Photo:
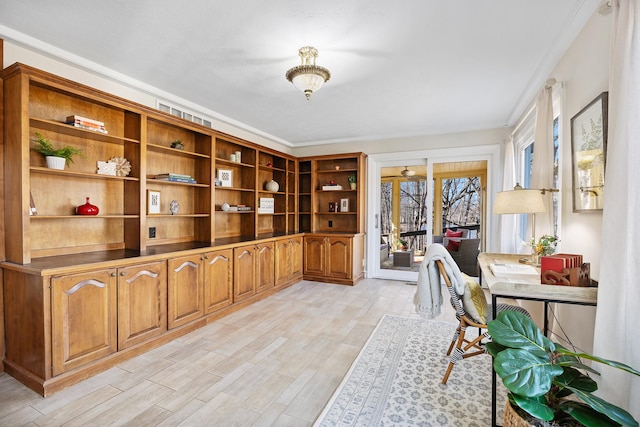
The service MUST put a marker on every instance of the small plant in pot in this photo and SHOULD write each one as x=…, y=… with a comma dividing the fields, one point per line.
x=546, y=380
x=46, y=148
x=352, y=181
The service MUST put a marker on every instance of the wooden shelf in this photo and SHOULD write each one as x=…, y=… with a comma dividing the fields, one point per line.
x=250, y=190
x=99, y=216
x=337, y=213
x=186, y=184
x=230, y=163
x=176, y=152
x=70, y=173
x=63, y=128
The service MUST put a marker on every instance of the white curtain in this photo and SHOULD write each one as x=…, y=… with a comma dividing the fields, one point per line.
x=618, y=317
x=508, y=235
x=542, y=174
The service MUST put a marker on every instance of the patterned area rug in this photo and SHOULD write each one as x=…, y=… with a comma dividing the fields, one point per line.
x=395, y=381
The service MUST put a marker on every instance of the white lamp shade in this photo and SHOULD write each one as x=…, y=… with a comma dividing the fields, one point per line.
x=308, y=82
x=519, y=202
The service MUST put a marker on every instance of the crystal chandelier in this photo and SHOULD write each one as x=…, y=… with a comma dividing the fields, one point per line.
x=308, y=77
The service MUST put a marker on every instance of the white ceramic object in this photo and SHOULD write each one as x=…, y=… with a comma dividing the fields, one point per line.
x=272, y=186
x=225, y=207
x=54, y=162
x=174, y=207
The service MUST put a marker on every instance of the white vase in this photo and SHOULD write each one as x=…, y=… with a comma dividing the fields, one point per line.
x=54, y=162
x=272, y=186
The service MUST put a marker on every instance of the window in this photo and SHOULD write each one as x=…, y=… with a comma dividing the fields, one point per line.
x=523, y=139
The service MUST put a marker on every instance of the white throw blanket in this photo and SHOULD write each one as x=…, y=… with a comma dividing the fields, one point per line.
x=428, y=297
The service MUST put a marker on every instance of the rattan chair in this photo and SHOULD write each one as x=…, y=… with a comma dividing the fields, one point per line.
x=461, y=346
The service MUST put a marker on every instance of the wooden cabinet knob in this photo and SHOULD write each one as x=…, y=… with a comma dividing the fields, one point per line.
x=122, y=273
x=113, y=274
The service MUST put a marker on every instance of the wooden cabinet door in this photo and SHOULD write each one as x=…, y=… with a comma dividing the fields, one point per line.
x=185, y=290
x=244, y=266
x=339, y=257
x=83, y=318
x=314, y=256
x=295, y=257
x=218, y=280
x=282, y=261
x=264, y=267
x=142, y=303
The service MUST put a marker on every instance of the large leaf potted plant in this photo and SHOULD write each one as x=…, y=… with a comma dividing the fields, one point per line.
x=546, y=380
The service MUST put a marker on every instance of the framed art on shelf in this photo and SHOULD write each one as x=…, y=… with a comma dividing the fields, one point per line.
x=344, y=205
x=153, y=202
x=225, y=177
x=589, y=152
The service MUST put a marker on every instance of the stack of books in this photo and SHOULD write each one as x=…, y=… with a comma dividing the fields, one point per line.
x=85, y=123
x=265, y=205
x=239, y=208
x=175, y=177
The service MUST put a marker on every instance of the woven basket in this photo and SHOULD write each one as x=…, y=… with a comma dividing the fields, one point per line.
x=512, y=419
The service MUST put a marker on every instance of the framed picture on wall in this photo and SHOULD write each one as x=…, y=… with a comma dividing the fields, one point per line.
x=589, y=151
x=153, y=202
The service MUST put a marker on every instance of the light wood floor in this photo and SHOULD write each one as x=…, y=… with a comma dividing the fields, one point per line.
x=274, y=363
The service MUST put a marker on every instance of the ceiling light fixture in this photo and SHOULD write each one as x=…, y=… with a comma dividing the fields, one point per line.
x=407, y=173
x=308, y=77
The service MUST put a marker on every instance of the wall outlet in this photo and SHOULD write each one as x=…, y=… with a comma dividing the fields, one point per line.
x=330, y=223
x=152, y=232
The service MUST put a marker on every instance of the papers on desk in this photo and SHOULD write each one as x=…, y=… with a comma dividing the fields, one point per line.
x=513, y=270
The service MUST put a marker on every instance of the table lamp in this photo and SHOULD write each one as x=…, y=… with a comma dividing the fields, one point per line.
x=520, y=201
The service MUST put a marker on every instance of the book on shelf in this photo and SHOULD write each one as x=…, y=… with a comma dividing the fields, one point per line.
x=88, y=127
x=177, y=179
x=85, y=123
x=265, y=210
x=239, y=208
x=74, y=118
x=513, y=270
x=174, y=175
x=330, y=187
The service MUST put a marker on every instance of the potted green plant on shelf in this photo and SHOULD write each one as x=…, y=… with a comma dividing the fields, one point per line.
x=352, y=181
x=56, y=157
x=546, y=380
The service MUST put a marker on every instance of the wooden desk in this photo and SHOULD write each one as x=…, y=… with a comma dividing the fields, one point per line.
x=526, y=288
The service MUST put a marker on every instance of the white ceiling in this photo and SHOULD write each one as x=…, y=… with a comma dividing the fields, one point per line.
x=399, y=68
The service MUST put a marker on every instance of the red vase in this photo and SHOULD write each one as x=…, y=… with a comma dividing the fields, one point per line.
x=87, y=209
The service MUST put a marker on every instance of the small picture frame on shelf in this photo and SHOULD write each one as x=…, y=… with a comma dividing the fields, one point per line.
x=344, y=205
x=225, y=176
x=153, y=202
x=32, y=206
